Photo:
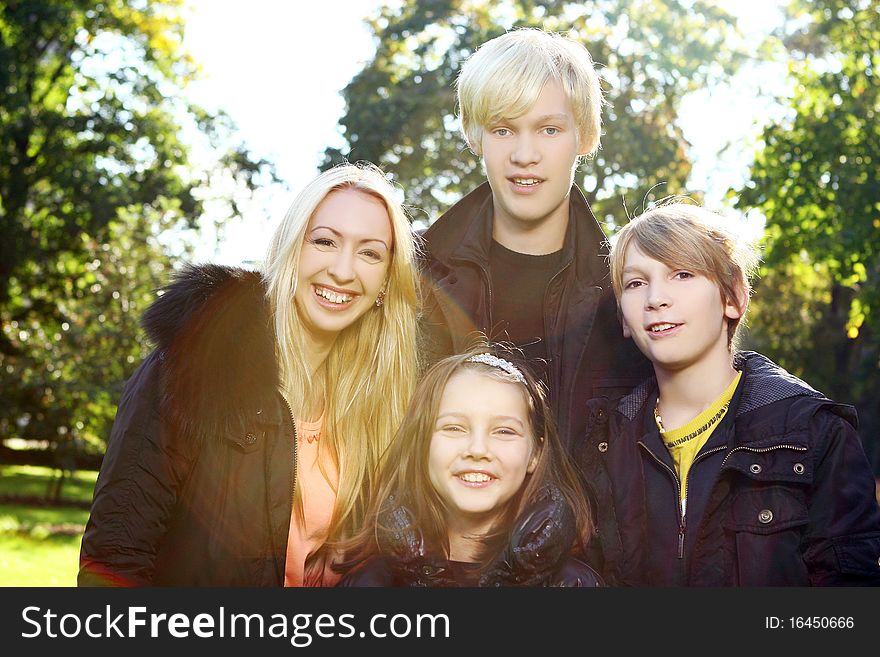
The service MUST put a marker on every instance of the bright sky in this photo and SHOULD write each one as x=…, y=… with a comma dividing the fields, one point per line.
x=277, y=68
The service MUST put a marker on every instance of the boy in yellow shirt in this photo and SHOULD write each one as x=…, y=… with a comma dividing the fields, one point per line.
x=722, y=469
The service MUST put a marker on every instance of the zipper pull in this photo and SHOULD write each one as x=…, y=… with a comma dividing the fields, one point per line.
x=681, y=541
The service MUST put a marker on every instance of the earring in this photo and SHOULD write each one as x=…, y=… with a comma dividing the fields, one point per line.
x=380, y=299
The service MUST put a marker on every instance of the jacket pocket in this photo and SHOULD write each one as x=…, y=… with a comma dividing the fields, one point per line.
x=230, y=502
x=766, y=525
x=772, y=463
x=859, y=556
x=767, y=510
x=246, y=440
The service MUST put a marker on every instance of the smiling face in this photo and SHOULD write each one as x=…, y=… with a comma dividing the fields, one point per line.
x=676, y=316
x=344, y=263
x=530, y=160
x=481, y=449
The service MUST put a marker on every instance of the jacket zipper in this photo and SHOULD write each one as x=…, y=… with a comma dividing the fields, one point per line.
x=295, y=450
x=544, y=298
x=761, y=450
x=554, y=369
x=686, y=486
x=489, y=313
x=293, y=424
x=681, y=520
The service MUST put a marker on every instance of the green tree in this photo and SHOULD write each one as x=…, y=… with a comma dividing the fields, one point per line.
x=815, y=179
x=95, y=143
x=401, y=106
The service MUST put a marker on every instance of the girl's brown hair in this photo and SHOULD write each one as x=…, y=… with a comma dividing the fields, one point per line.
x=404, y=468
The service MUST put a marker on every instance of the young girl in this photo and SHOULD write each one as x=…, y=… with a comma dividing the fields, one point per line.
x=475, y=489
x=245, y=443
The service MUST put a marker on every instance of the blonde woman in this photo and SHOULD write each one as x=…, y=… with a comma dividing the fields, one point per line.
x=244, y=444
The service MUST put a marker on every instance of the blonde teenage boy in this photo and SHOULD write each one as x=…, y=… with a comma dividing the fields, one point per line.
x=722, y=469
x=521, y=258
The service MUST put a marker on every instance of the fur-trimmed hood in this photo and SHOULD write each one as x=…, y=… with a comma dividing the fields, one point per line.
x=213, y=328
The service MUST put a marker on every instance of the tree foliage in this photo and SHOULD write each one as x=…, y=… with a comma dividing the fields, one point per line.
x=94, y=165
x=75, y=337
x=401, y=106
x=815, y=180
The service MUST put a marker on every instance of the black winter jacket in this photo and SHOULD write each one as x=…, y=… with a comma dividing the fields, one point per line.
x=196, y=486
x=588, y=356
x=538, y=553
x=781, y=495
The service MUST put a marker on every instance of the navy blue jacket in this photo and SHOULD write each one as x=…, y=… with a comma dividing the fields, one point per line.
x=781, y=495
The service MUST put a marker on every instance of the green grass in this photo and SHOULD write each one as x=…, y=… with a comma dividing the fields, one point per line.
x=39, y=545
x=33, y=481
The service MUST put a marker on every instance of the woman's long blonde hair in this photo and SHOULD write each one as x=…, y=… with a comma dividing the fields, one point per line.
x=371, y=369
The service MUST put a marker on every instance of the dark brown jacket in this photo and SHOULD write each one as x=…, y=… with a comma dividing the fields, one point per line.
x=196, y=486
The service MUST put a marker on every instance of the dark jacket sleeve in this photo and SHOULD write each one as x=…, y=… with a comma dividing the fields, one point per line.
x=843, y=540
x=575, y=573
x=373, y=572
x=540, y=543
x=136, y=490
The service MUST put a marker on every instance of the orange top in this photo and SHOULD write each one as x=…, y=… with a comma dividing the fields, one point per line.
x=318, y=493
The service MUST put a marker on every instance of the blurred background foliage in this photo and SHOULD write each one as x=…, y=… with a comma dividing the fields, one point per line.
x=97, y=140
x=815, y=179
x=98, y=171
x=401, y=107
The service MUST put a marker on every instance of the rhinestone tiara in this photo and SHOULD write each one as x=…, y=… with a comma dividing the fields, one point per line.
x=500, y=363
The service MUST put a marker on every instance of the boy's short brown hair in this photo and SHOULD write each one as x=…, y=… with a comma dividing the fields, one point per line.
x=683, y=235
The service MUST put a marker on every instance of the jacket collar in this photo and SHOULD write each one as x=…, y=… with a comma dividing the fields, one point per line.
x=464, y=233
x=540, y=542
x=764, y=383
